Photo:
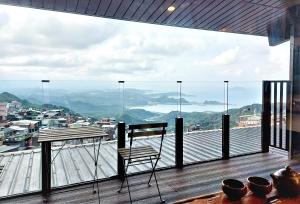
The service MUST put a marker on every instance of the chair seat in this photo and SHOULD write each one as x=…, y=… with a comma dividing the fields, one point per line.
x=137, y=152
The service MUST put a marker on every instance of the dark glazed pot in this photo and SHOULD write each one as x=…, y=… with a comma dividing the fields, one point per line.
x=234, y=189
x=259, y=186
x=287, y=182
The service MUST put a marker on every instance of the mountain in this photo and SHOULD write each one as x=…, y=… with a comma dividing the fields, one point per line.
x=209, y=120
x=103, y=103
x=6, y=97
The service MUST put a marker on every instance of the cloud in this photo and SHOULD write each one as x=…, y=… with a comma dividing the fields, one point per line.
x=225, y=58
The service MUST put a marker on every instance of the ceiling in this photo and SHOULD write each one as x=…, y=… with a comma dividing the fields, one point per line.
x=236, y=16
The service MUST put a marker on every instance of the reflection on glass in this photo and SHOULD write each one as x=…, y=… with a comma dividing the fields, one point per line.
x=245, y=120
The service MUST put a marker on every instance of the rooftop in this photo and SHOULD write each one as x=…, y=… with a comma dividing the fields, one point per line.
x=74, y=164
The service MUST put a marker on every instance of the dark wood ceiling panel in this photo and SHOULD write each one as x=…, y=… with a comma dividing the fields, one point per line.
x=48, y=4
x=237, y=16
x=273, y=3
x=125, y=5
x=232, y=15
x=93, y=7
x=13, y=2
x=71, y=5
x=151, y=9
x=22, y=2
x=247, y=9
x=201, y=11
x=131, y=11
x=244, y=17
x=114, y=6
x=216, y=12
x=82, y=6
x=191, y=11
x=141, y=9
x=167, y=17
x=161, y=10
x=104, y=4
x=251, y=20
x=61, y=5
x=263, y=22
x=38, y=4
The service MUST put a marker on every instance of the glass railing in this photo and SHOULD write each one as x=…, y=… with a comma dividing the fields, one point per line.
x=20, y=158
x=90, y=104
x=202, y=107
x=245, y=117
x=151, y=102
x=57, y=105
x=28, y=108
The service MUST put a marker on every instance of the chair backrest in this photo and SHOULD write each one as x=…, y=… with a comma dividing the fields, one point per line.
x=143, y=130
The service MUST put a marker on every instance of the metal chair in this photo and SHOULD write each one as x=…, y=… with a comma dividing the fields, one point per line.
x=142, y=154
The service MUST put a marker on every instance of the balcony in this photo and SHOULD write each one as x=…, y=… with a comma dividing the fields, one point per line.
x=203, y=160
x=175, y=184
x=259, y=137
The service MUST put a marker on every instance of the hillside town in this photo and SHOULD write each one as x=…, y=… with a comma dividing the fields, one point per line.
x=20, y=125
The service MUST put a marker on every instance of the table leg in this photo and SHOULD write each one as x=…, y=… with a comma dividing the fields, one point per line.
x=96, y=158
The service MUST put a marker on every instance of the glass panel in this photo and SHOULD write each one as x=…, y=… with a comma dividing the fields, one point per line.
x=20, y=167
x=85, y=104
x=245, y=117
x=148, y=102
x=28, y=107
x=202, y=108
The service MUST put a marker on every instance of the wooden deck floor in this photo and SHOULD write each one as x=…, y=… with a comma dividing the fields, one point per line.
x=175, y=184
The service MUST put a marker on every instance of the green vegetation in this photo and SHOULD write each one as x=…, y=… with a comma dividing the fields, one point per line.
x=6, y=97
x=107, y=104
x=204, y=120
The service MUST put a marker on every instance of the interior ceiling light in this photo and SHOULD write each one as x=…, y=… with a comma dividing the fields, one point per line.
x=171, y=8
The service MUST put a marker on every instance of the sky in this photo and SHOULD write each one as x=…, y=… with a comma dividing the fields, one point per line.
x=38, y=44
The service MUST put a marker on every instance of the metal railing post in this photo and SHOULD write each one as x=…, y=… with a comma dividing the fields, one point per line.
x=179, y=142
x=225, y=135
x=121, y=144
x=46, y=168
x=266, y=116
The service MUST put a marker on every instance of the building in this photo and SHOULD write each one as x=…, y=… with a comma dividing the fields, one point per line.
x=249, y=120
x=1, y=136
x=3, y=111
x=30, y=125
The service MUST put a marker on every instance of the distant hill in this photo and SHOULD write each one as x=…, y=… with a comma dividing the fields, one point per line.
x=209, y=120
x=6, y=97
x=104, y=103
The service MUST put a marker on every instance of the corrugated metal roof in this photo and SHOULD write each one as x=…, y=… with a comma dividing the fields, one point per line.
x=22, y=170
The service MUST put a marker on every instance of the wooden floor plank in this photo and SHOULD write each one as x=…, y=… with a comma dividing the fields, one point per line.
x=175, y=184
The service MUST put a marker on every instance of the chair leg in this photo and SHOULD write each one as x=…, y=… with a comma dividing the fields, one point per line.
x=126, y=178
x=125, y=171
x=128, y=188
x=153, y=167
x=153, y=173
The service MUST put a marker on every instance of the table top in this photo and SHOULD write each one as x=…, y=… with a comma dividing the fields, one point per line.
x=249, y=198
x=53, y=135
